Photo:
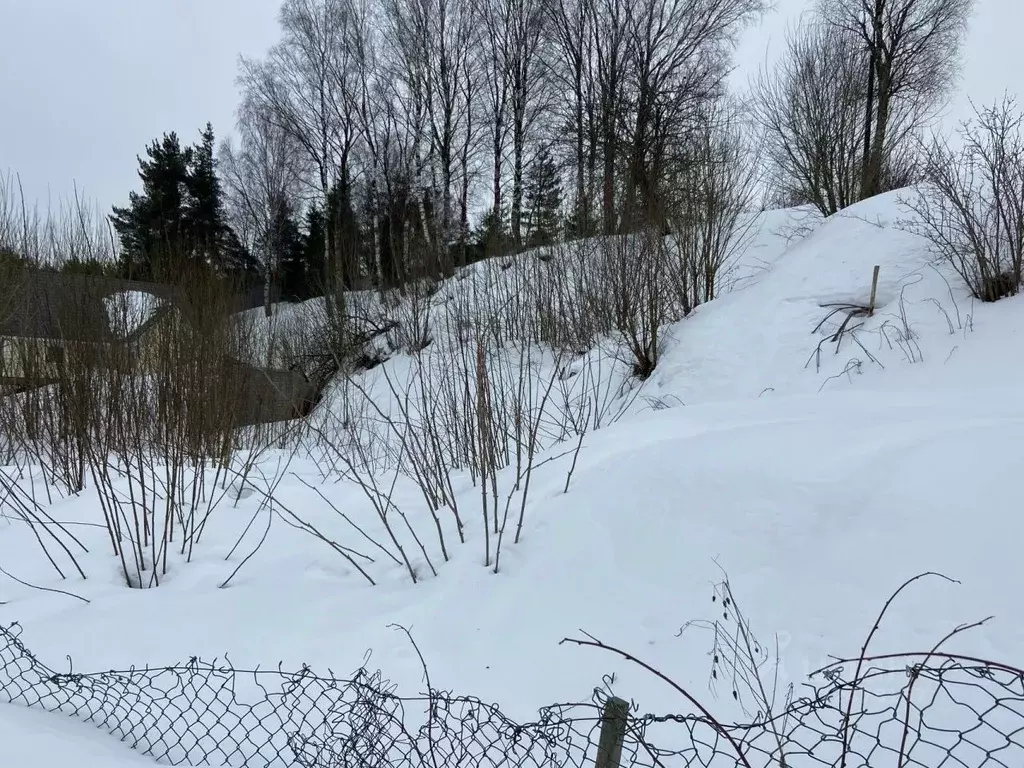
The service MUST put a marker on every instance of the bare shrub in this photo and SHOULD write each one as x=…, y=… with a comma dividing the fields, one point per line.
x=137, y=390
x=810, y=107
x=161, y=423
x=709, y=214
x=568, y=304
x=410, y=315
x=18, y=502
x=971, y=207
x=630, y=273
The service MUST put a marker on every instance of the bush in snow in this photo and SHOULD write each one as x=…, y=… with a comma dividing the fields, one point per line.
x=971, y=207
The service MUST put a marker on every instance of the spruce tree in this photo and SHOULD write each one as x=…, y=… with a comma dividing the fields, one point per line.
x=204, y=212
x=543, y=200
x=346, y=237
x=491, y=237
x=290, y=249
x=313, y=252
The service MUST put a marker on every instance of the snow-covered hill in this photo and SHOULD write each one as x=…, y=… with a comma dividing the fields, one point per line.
x=819, y=481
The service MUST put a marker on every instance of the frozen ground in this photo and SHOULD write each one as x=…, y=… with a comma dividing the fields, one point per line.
x=818, y=486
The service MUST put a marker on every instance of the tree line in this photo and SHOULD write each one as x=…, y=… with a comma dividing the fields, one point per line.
x=383, y=141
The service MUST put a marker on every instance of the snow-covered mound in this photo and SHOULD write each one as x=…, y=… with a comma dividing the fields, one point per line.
x=818, y=474
x=773, y=335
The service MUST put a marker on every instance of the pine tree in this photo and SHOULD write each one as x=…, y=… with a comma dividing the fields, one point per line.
x=178, y=220
x=153, y=224
x=543, y=198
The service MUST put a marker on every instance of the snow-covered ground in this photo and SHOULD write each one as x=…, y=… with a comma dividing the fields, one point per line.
x=31, y=738
x=818, y=481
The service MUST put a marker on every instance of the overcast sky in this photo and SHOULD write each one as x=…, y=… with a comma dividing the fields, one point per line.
x=86, y=84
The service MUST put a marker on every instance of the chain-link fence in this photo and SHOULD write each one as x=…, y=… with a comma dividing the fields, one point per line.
x=932, y=711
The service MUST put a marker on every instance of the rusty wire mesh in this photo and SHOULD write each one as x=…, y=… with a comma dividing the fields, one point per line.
x=931, y=712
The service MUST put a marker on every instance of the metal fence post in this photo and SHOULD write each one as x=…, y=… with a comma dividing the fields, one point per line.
x=613, y=733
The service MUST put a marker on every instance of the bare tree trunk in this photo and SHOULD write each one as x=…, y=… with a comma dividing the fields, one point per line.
x=464, y=162
x=497, y=148
x=866, y=184
x=268, y=277
x=610, y=148
x=582, y=203
x=330, y=293
x=914, y=47
x=518, y=148
x=878, y=155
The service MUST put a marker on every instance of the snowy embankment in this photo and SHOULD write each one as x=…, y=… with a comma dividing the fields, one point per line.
x=818, y=481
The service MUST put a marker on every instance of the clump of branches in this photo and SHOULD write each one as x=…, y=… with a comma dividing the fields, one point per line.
x=889, y=703
x=841, y=126
x=162, y=411
x=971, y=207
x=43, y=296
x=566, y=302
x=56, y=541
x=325, y=342
x=632, y=270
x=483, y=405
x=709, y=213
x=810, y=107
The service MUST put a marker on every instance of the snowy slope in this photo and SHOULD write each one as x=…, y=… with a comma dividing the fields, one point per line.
x=817, y=488
x=33, y=739
x=761, y=339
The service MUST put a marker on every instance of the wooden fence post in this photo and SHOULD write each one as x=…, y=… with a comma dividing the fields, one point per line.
x=874, y=289
x=614, y=720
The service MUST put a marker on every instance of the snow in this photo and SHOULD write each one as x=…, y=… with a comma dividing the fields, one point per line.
x=818, y=487
x=38, y=739
x=127, y=311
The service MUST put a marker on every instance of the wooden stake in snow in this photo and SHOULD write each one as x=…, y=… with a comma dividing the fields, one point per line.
x=613, y=733
x=874, y=290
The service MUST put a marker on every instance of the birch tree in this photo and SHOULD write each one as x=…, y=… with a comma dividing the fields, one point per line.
x=305, y=87
x=261, y=177
x=911, y=51
x=570, y=64
x=678, y=54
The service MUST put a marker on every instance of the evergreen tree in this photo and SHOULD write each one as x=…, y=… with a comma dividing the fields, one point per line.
x=290, y=247
x=543, y=200
x=313, y=252
x=204, y=210
x=91, y=267
x=491, y=237
x=346, y=237
x=153, y=222
x=234, y=259
x=178, y=219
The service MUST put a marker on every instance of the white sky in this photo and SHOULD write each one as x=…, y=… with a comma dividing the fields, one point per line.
x=86, y=84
